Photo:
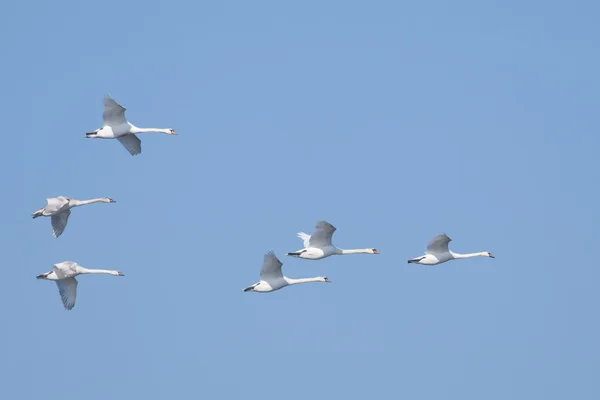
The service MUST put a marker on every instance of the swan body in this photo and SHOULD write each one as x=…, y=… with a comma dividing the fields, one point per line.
x=117, y=127
x=437, y=252
x=319, y=245
x=64, y=274
x=272, y=279
x=59, y=209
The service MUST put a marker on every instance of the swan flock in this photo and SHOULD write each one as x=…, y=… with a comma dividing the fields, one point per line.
x=317, y=246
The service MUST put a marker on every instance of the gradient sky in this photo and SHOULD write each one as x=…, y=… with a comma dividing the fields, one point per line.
x=392, y=121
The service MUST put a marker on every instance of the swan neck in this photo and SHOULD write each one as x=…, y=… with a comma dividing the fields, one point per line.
x=82, y=270
x=292, y=281
x=77, y=203
x=469, y=255
x=135, y=129
x=354, y=251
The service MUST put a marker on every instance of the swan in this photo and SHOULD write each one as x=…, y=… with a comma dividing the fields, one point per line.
x=437, y=252
x=271, y=278
x=64, y=274
x=59, y=208
x=318, y=245
x=117, y=127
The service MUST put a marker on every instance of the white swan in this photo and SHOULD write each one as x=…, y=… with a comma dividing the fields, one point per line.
x=117, y=127
x=59, y=208
x=437, y=252
x=272, y=279
x=318, y=245
x=64, y=274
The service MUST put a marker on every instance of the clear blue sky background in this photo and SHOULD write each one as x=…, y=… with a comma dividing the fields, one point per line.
x=392, y=121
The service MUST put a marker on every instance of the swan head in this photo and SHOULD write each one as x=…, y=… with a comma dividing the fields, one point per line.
x=108, y=200
x=374, y=251
x=118, y=273
x=172, y=132
x=489, y=254
x=324, y=279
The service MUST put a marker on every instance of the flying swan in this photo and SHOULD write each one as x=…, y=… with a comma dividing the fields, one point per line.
x=64, y=274
x=271, y=278
x=318, y=245
x=117, y=127
x=59, y=208
x=437, y=252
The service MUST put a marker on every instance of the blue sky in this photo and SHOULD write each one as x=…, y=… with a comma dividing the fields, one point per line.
x=392, y=121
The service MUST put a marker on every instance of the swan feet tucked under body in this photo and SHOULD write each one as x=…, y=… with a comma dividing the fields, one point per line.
x=64, y=274
x=59, y=209
x=437, y=252
x=272, y=279
x=117, y=127
x=319, y=245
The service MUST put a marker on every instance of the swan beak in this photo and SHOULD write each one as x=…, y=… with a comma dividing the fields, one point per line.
x=120, y=273
x=327, y=280
x=111, y=200
x=491, y=256
x=173, y=132
x=375, y=251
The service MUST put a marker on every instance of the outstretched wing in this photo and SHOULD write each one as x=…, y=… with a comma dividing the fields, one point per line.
x=321, y=237
x=438, y=245
x=271, y=268
x=68, y=292
x=114, y=113
x=132, y=143
x=59, y=222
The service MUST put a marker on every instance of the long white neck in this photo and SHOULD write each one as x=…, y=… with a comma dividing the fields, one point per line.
x=292, y=281
x=469, y=255
x=135, y=129
x=355, y=251
x=77, y=203
x=82, y=270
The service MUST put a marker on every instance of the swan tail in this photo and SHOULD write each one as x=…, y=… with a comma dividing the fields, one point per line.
x=249, y=288
x=296, y=253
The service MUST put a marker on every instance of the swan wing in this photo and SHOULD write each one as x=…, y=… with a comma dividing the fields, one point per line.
x=65, y=269
x=68, y=292
x=56, y=203
x=114, y=113
x=132, y=143
x=321, y=237
x=439, y=244
x=305, y=238
x=59, y=222
x=271, y=267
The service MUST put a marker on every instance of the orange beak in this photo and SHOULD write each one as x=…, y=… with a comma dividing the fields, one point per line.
x=173, y=132
x=375, y=251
